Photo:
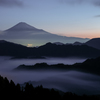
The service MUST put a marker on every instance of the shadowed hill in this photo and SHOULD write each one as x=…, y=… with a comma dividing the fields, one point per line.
x=49, y=50
x=54, y=50
x=95, y=42
x=88, y=66
x=12, y=49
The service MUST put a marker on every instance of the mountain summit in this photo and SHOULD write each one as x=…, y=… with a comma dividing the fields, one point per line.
x=22, y=26
x=25, y=34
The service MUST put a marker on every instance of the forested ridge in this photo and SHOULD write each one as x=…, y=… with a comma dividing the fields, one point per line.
x=91, y=66
x=47, y=50
x=10, y=90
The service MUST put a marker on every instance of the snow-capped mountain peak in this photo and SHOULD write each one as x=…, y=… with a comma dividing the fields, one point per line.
x=22, y=26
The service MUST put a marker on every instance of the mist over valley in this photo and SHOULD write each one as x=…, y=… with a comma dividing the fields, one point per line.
x=50, y=49
x=66, y=81
x=60, y=65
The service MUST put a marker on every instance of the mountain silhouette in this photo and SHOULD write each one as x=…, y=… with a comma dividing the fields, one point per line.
x=12, y=49
x=95, y=42
x=25, y=34
x=88, y=66
x=58, y=43
x=77, y=43
x=22, y=26
x=49, y=50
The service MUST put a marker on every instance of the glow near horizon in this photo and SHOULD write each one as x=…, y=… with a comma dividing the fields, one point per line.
x=76, y=20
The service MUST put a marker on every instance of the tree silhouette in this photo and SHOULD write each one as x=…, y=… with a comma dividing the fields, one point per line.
x=8, y=90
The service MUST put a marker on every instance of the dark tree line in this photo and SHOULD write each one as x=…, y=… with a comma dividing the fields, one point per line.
x=8, y=90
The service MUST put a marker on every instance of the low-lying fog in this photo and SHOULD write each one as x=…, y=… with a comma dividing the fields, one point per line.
x=67, y=81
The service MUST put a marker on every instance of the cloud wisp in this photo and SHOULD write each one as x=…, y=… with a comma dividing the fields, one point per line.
x=93, y=2
x=97, y=16
x=11, y=3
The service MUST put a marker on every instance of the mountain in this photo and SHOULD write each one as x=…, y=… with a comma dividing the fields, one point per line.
x=47, y=50
x=22, y=26
x=12, y=49
x=77, y=43
x=95, y=43
x=89, y=66
x=25, y=34
x=54, y=50
x=58, y=43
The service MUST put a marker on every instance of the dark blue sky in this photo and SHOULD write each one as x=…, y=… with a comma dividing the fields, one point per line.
x=78, y=18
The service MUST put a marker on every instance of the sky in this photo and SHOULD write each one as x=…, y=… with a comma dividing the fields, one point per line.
x=73, y=18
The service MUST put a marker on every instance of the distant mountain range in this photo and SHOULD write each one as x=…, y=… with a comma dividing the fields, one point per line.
x=95, y=43
x=48, y=50
x=25, y=34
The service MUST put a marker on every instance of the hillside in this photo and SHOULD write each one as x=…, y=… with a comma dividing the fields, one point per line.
x=49, y=50
x=89, y=66
x=95, y=43
x=54, y=50
x=9, y=90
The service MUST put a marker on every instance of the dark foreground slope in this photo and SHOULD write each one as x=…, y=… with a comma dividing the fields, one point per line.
x=89, y=66
x=8, y=90
x=49, y=50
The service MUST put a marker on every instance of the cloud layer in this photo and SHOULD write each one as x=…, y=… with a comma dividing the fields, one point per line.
x=94, y=2
x=10, y=3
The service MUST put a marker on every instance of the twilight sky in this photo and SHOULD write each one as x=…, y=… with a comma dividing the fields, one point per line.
x=77, y=18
